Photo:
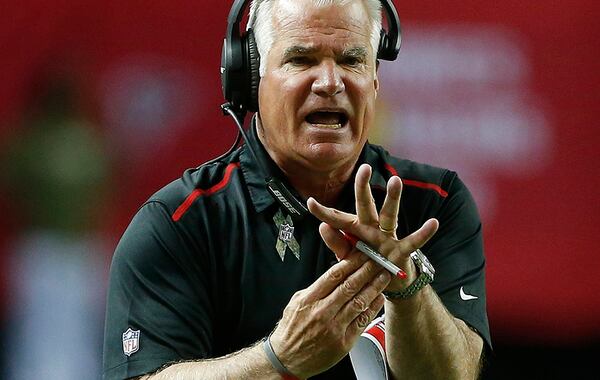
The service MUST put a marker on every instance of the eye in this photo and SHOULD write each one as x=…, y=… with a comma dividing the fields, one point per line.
x=300, y=60
x=351, y=61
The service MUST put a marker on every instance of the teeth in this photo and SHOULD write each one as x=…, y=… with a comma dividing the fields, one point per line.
x=329, y=126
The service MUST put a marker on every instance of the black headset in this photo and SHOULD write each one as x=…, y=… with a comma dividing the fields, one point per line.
x=240, y=61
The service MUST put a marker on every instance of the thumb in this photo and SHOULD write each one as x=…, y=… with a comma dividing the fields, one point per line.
x=335, y=241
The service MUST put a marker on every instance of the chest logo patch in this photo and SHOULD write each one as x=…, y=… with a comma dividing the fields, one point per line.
x=285, y=237
x=131, y=341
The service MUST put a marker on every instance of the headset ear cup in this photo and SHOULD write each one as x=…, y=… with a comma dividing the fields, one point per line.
x=383, y=45
x=253, y=71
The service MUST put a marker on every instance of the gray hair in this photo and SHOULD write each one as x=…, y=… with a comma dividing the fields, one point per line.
x=261, y=21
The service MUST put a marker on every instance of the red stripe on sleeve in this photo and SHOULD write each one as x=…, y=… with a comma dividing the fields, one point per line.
x=182, y=209
x=419, y=184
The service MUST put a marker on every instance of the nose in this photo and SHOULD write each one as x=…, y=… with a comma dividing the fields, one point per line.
x=328, y=82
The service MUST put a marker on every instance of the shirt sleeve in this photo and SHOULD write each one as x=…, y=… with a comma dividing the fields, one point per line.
x=158, y=286
x=456, y=253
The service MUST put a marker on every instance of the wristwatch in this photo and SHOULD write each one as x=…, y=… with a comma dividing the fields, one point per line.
x=425, y=277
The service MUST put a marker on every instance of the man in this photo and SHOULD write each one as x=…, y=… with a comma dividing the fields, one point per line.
x=214, y=280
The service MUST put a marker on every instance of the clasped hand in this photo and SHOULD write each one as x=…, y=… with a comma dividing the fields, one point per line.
x=322, y=322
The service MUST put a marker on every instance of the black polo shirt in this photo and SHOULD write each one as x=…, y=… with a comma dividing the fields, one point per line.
x=198, y=275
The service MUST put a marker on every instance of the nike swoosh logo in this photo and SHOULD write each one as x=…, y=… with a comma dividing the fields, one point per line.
x=466, y=297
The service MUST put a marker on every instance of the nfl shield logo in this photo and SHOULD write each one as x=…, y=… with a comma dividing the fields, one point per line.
x=286, y=233
x=131, y=341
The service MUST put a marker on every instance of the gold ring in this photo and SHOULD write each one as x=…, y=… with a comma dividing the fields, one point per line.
x=386, y=230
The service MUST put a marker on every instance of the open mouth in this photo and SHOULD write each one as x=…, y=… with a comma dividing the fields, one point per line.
x=327, y=119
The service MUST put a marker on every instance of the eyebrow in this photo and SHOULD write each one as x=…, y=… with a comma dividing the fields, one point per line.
x=298, y=50
x=355, y=52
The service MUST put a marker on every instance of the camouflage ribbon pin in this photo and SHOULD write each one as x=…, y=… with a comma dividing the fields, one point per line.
x=286, y=237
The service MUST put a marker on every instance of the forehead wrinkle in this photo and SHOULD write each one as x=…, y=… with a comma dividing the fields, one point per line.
x=296, y=22
x=302, y=42
x=294, y=25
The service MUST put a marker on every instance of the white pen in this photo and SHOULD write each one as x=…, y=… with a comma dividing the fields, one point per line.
x=374, y=255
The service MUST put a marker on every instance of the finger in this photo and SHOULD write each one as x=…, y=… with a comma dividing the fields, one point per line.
x=340, y=221
x=388, y=216
x=335, y=218
x=330, y=280
x=365, y=204
x=351, y=286
x=420, y=237
x=335, y=241
x=361, y=301
x=360, y=323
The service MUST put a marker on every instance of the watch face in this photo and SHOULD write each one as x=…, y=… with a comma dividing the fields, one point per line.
x=425, y=265
x=428, y=264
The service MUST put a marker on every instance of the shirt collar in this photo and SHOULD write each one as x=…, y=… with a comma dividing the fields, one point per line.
x=255, y=177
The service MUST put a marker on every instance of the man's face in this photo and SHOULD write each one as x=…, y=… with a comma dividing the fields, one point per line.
x=318, y=93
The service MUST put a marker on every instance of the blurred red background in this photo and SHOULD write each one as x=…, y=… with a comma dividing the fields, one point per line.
x=146, y=76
